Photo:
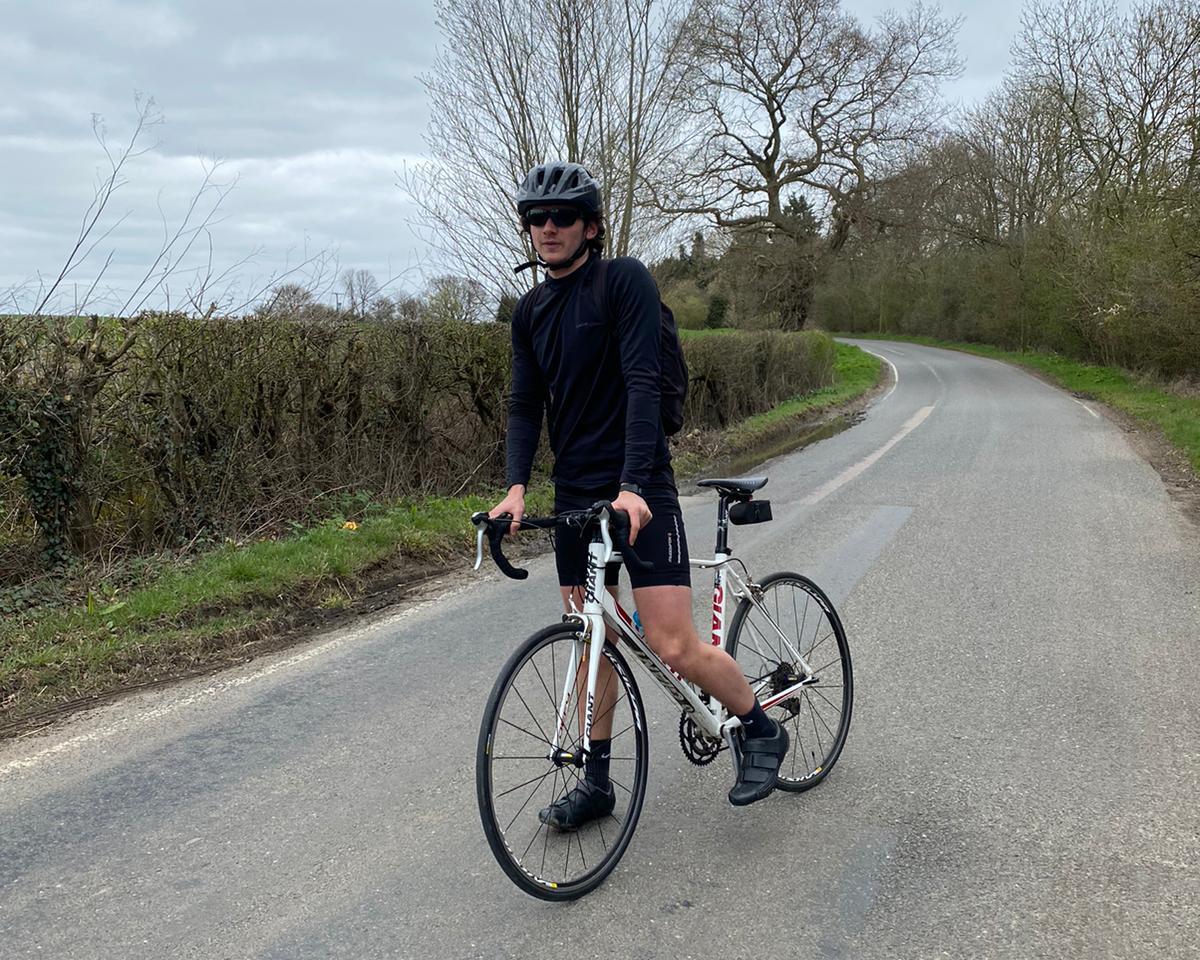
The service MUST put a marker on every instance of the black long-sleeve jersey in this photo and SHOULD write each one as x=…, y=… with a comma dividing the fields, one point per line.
x=597, y=377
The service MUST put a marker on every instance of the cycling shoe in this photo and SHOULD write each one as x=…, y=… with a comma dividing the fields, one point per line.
x=760, y=760
x=579, y=806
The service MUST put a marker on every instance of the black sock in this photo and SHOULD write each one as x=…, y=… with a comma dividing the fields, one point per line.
x=757, y=723
x=596, y=769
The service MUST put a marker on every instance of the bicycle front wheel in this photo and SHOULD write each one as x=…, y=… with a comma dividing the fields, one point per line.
x=530, y=755
x=794, y=617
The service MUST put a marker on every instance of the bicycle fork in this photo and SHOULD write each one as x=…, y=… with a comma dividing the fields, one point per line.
x=586, y=648
x=591, y=639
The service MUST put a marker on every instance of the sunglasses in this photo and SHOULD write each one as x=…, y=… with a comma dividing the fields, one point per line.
x=562, y=216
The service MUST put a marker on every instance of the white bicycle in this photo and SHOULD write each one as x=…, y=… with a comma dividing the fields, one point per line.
x=536, y=733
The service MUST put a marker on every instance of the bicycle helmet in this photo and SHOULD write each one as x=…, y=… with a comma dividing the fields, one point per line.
x=559, y=183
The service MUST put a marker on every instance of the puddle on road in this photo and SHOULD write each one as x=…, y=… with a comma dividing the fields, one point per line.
x=746, y=461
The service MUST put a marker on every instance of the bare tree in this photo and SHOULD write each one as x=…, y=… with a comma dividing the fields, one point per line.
x=362, y=290
x=595, y=82
x=796, y=96
x=287, y=300
x=454, y=299
x=1005, y=170
x=795, y=99
x=1129, y=90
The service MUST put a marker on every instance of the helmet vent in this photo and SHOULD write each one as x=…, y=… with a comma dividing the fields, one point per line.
x=562, y=183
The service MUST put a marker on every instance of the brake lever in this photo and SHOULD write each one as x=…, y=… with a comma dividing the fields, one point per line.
x=494, y=529
x=618, y=523
x=479, y=521
x=479, y=549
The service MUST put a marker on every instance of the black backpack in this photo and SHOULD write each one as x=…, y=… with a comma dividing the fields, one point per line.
x=674, y=367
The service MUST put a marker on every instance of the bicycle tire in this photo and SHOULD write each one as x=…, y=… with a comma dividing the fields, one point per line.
x=766, y=664
x=533, y=674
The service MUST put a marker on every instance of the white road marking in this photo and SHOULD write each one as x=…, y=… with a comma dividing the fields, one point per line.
x=850, y=473
x=208, y=693
x=895, y=372
x=1087, y=408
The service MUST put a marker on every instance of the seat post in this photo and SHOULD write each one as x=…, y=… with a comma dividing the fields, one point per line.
x=723, y=525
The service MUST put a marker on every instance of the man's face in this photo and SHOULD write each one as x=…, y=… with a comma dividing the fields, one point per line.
x=555, y=243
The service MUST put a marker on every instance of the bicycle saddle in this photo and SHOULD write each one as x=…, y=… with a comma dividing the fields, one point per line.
x=740, y=487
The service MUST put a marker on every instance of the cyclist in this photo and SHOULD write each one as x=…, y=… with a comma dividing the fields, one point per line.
x=598, y=378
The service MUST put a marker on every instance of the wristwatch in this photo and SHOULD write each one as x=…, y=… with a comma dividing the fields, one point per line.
x=631, y=488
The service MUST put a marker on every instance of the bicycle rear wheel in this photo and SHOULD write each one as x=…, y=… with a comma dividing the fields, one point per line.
x=518, y=772
x=795, y=616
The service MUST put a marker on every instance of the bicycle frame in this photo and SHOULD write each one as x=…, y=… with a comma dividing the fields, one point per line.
x=601, y=610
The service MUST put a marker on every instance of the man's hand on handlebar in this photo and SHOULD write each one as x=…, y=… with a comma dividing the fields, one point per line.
x=638, y=510
x=514, y=505
x=619, y=517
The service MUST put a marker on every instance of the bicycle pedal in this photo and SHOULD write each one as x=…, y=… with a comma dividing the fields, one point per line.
x=733, y=743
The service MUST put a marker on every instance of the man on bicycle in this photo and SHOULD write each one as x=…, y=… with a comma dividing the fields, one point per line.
x=593, y=363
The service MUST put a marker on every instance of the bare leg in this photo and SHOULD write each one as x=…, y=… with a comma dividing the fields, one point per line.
x=666, y=613
x=606, y=682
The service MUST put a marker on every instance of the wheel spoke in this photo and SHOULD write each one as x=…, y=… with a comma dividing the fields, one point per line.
x=526, y=803
x=812, y=709
x=545, y=839
x=521, y=780
x=623, y=732
x=527, y=733
x=819, y=693
x=525, y=784
x=826, y=666
x=541, y=757
x=530, y=712
x=767, y=640
x=579, y=840
x=759, y=635
x=549, y=694
x=824, y=639
x=817, y=733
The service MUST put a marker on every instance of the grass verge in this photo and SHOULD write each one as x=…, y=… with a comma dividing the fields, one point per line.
x=1177, y=416
x=771, y=433
x=234, y=602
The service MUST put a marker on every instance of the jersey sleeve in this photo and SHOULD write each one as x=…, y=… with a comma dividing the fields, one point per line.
x=526, y=402
x=633, y=301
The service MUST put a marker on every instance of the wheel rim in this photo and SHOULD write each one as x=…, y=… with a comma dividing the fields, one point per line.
x=524, y=775
x=816, y=716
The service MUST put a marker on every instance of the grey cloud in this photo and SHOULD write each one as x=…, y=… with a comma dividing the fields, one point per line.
x=313, y=132
x=130, y=24
x=16, y=47
x=257, y=51
x=313, y=105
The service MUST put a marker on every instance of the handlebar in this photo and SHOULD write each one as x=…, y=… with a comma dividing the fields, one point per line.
x=619, y=525
x=495, y=529
x=614, y=530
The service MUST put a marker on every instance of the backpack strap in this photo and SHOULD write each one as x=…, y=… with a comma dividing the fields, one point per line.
x=524, y=306
x=600, y=286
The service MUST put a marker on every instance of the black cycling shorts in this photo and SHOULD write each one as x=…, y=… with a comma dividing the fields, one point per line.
x=662, y=542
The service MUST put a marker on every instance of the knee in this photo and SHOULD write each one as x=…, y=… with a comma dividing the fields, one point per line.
x=677, y=650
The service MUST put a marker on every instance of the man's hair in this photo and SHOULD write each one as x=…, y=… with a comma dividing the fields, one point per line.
x=597, y=242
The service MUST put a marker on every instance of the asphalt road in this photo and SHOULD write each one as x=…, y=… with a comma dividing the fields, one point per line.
x=1020, y=780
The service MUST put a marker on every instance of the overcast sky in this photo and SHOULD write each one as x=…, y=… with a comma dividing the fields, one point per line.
x=312, y=107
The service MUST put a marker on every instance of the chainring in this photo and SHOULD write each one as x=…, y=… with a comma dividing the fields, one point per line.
x=697, y=746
